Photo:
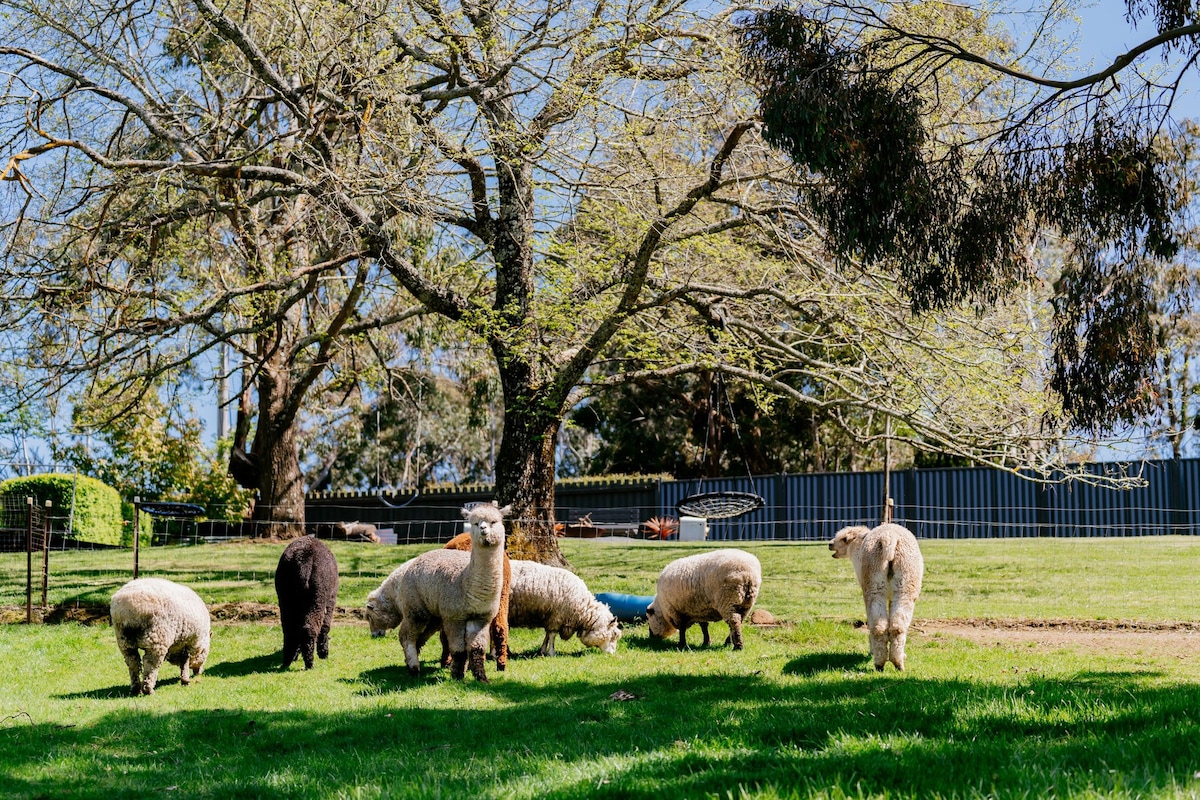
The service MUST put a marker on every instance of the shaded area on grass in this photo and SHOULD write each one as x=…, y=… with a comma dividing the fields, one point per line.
x=669, y=736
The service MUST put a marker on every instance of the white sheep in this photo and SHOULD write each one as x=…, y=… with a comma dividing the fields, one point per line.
x=717, y=585
x=167, y=620
x=558, y=601
x=383, y=604
x=889, y=568
x=457, y=591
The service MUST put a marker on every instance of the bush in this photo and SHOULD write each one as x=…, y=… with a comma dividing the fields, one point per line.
x=97, y=515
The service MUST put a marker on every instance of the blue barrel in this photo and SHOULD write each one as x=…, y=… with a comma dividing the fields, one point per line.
x=626, y=607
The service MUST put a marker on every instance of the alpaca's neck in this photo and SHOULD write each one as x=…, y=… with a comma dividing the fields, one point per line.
x=484, y=576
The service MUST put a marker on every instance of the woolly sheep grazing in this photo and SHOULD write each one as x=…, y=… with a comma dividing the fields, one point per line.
x=717, y=585
x=383, y=605
x=499, y=625
x=167, y=620
x=456, y=591
x=889, y=568
x=558, y=601
x=306, y=585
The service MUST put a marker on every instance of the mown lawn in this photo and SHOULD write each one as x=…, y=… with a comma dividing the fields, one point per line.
x=799, y=713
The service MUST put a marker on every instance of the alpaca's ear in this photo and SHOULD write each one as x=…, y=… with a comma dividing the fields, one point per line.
x=466, y=512
x=504, y=512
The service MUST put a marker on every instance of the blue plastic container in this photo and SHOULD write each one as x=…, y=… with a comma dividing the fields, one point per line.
x=626, y=607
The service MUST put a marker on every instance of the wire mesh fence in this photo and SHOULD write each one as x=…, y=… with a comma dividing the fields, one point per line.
x=934, y=504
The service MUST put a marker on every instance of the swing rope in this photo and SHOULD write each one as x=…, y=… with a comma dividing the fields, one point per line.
x=726, y=504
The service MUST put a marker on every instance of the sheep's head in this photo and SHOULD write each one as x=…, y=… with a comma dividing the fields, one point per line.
x=382, y=615
x=603, y=638
x=660, y=626
x=846, y=541
x=487, y=524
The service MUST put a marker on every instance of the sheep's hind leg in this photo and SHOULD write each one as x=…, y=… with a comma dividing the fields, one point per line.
x=308, y=645
x=291, y=644
x=735, y=630
x=323, y=636
x=150, y=665
x=133, y=660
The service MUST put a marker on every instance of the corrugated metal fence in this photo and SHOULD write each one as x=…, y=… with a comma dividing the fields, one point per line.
x=934, y=503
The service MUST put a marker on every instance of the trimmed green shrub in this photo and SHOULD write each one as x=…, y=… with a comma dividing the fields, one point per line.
x=97, y=516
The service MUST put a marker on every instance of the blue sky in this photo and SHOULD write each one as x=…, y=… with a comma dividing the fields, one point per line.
x=1106, y=34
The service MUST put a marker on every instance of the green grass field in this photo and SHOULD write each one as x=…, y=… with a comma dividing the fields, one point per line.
x=799, y=713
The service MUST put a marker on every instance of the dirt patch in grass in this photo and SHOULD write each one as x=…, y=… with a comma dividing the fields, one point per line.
x=1129, y=637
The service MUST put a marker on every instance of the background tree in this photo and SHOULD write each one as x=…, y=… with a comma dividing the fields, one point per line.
x=351, y=142
x=155, y=451
x=853, y=92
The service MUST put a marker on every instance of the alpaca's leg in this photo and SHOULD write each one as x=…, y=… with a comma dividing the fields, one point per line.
x=735, y=630
x=455, y=633
x=877, y=626
x=476, y=636
x=133, y=660
x=499, y=639
x=901, y=618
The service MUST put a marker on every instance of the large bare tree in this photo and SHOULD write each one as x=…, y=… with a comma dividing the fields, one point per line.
x=322, y=135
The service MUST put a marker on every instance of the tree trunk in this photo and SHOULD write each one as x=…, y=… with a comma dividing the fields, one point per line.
x=279, y=510
x=525, y=478
x=272, y=465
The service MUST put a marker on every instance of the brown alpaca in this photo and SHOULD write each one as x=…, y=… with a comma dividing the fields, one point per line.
x=499, y=625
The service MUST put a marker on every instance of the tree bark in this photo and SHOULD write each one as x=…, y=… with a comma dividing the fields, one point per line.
x=272, y=465
x=525, y=478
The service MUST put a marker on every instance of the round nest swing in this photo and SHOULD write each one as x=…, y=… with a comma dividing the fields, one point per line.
x=719, y=505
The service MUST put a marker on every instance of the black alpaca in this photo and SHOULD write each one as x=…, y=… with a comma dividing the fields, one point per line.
x=306, y=583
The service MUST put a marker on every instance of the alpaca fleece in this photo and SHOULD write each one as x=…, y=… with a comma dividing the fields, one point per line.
x=558, y=601
x=717, y=585
x=306, y=585
x=498, y=628
x=889, y=568
x=168, y=621
x=456, y=591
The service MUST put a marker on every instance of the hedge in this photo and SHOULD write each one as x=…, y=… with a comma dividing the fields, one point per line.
x=97, y=516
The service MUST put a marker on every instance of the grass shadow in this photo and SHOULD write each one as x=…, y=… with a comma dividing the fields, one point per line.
x=253, y=665
x=626, y=738
x=107, y=693
x=394, y=679
x=810, y=664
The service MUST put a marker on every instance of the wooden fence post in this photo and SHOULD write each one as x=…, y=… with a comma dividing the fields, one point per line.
x=46, y=557
x=137, y=534
x=28, y=560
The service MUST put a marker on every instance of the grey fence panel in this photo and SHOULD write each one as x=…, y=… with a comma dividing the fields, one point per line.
x=934, y=503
